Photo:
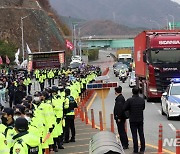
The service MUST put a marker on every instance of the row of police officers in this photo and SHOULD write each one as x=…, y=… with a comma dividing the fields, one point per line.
x=44, y=121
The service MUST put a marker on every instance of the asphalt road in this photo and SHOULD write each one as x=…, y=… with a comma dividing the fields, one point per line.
x=152, y=114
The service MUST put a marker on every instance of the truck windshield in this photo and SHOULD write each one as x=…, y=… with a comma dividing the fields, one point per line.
x=127, y=60
x=165, y=56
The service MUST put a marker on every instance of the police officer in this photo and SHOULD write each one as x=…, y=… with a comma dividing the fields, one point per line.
x=8, y=121
x=25, y=142
x=69, y=106
x=3, y=143
x=58, y=104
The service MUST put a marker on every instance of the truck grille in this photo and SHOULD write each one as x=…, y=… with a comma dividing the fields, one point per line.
x=163, y=79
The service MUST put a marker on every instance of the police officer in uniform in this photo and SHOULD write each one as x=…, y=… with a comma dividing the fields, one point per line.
x=25, y=142
x=69, y=106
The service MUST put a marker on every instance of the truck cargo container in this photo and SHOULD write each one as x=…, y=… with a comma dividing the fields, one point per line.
x=157, y=61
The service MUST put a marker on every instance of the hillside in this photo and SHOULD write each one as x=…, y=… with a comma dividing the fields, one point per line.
x=40, y=27
x=107, y=27
x=133, y=13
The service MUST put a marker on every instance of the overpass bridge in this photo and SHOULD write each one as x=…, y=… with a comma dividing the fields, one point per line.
x=109, y=41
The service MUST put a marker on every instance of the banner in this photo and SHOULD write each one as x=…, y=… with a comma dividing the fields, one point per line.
x=69, y=45
x=1, y=61
x=7, y=60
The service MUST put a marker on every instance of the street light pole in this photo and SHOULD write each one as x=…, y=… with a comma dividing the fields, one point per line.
x=167, y=23
x=79, y=34
x=22, y=31
x=74, y=30
x=173, y=20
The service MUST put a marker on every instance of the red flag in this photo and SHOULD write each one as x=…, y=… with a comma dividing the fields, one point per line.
x=1, y=61
x=69, y=45
x=7, y=60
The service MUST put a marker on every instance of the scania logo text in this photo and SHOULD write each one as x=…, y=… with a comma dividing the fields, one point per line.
x=170, y=69
x=169, y=42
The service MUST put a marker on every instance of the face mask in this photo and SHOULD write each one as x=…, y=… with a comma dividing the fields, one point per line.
x=4, y=120
x=36, y=99
x=27, y=118
x=15, y=117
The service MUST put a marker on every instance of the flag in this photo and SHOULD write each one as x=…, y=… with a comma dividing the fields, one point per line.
x=7, y=60
x=28, y=49
x=69, y=45
x=17, y=57
x=1, y=61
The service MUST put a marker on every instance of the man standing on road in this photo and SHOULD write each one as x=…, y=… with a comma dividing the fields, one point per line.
x=136, y=105
x=119, y=116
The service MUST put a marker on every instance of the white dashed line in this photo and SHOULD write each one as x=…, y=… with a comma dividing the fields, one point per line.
x=159, y=111
x=153, y=103
x=172, y=127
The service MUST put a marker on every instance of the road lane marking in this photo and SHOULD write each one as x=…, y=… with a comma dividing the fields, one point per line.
x=172, y=127
x=87, y=133
x=75, y=146
x=79, y=152
x=153, y=103
x=159, y=111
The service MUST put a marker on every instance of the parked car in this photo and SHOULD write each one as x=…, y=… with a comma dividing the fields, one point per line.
x=170, y=100
x=132, y=79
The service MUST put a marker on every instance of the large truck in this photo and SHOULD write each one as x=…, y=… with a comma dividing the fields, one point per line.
x=157, y=61
x=125, y=56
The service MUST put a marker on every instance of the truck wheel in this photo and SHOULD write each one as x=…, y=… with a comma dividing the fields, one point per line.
x=148, y=99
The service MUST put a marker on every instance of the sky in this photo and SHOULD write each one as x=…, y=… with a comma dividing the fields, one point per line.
x=178, y=1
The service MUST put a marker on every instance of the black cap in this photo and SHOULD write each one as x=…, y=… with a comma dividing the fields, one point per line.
x=19, y=108
x=55, y=89
x=21, y=124
x=9, y=111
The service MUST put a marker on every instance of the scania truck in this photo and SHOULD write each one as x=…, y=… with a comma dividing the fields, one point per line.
x=157, y=61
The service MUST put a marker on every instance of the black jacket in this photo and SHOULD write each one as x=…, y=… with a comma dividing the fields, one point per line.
x=135, y=105
x=118, y=108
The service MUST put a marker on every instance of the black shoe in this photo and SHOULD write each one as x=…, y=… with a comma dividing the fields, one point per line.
x=66, y=141
x=72, y=140
x=60, y=147
x=55, y=150
x=125, y=147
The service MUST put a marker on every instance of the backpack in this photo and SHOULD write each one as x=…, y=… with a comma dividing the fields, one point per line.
x=72, y=103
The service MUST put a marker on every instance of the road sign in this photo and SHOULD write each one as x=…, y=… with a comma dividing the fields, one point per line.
x=101, y=85
x=102, y=90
